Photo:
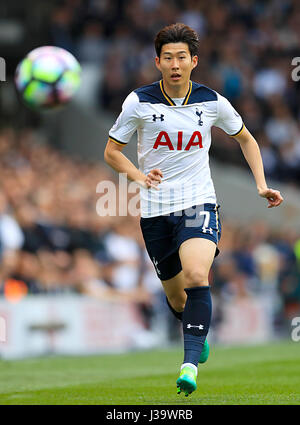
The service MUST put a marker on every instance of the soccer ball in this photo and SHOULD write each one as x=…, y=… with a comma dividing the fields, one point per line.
x=47, y=77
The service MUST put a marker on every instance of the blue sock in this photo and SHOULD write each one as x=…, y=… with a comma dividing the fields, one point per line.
x=195, y=322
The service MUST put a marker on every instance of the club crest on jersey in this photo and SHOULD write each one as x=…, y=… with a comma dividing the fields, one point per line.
x=155, y=117
x=163, y=139
x=200, y=122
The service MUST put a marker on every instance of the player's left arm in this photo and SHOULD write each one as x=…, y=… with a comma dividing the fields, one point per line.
x=252, y=155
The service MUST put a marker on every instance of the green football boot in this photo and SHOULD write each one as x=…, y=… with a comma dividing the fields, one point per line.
x=186, y=382
x=205, y=353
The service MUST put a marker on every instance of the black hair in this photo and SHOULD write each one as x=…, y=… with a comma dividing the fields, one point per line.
x=177, y=33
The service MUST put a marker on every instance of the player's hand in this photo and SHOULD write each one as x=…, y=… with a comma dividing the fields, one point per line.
x=153, y=178
x=273, y=197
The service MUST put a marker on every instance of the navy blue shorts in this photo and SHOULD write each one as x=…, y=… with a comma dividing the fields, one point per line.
x=164, y=234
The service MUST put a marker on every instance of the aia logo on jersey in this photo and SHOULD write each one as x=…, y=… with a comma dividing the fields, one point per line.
x=163, y=139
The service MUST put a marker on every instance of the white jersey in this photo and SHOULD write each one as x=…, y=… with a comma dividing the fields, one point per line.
x=176, y=139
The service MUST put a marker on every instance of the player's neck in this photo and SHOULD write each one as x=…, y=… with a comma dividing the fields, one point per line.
x=177, y=91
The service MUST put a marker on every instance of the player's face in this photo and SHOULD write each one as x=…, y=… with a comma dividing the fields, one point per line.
x=176, y=64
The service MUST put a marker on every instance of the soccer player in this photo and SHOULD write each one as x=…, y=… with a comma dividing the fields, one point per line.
x=179, y=210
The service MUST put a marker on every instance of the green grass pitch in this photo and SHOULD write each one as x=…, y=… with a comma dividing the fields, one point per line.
x=262, y=374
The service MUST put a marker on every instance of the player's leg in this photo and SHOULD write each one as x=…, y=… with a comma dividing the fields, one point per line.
x=196, y=256
x=162, y=244
x=176, y=298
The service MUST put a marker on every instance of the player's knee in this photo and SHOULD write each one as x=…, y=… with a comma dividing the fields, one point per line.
x=196, y=277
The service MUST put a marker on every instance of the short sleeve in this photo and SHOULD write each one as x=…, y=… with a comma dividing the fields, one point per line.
x=228, y=119
x=127, y=122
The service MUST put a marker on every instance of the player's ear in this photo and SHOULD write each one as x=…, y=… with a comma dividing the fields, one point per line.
x=157, y=63
x=194, y=61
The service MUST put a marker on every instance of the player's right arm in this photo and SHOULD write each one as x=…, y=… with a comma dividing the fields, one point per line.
x=119, y=162
x=119, y=135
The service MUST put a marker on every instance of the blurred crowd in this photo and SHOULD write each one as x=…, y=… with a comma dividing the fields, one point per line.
x=53, y=241
x=246, y=52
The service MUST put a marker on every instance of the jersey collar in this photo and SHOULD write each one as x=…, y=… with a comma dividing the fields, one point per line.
x=170, y=101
